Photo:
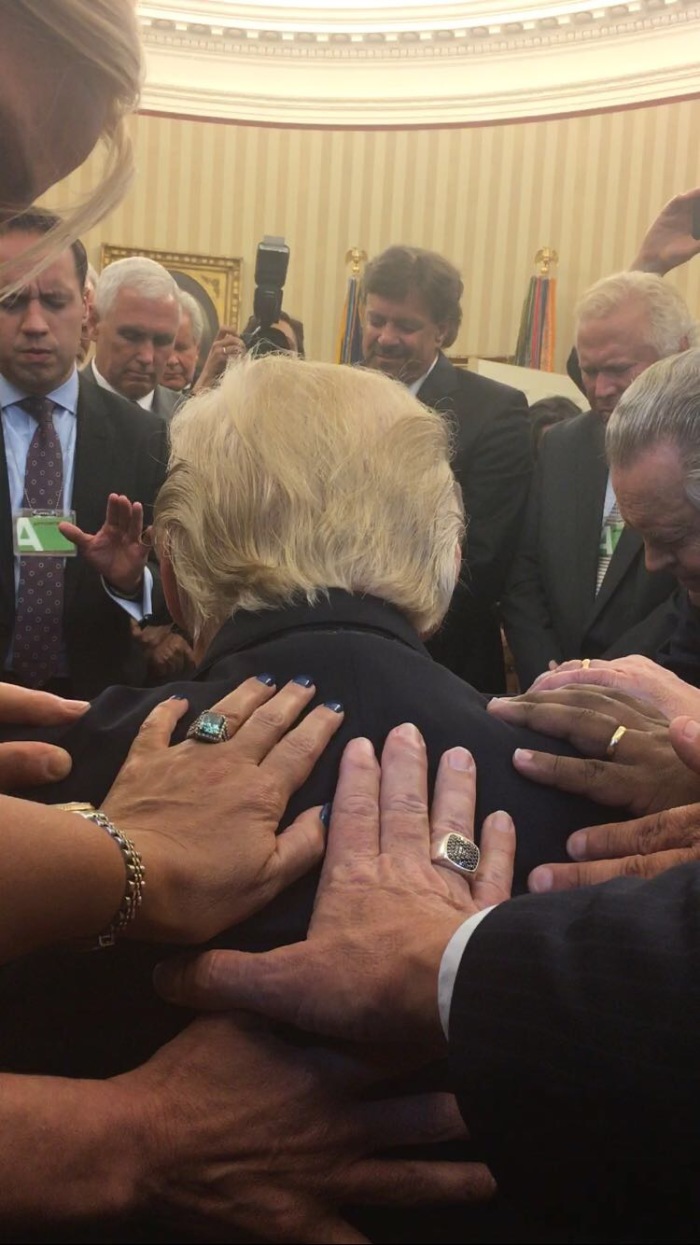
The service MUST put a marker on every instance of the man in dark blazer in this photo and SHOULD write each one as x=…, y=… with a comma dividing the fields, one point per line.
x=106, y=447
x=578, y=586
x=411, y=310
x=135, y=316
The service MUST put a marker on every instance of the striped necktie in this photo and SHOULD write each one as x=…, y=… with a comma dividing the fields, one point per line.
x=39, y=606
x=610, y=533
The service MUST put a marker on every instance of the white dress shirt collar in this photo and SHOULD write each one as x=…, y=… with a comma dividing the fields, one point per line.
x=65, y=396
x=417, y=383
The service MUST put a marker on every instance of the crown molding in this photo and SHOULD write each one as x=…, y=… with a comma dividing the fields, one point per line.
x=415, y=64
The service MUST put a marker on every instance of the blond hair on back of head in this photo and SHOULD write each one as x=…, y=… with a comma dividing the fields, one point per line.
x=290, y=478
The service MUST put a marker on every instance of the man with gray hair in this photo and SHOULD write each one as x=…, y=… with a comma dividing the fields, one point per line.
x=135, y=318
x=653, y=446
x=182, y=361
x=579, y=587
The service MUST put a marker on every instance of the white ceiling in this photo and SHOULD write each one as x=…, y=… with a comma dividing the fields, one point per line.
x=324, y=63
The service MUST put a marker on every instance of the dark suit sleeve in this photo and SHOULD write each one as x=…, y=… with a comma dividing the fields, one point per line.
x=526, y=615
x=662, y=637
x=573, y=1039
x=155, y=469
x=679, y=649
x=495, y=479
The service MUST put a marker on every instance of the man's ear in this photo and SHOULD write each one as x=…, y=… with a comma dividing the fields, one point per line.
x=92, y=319
x=171, y=591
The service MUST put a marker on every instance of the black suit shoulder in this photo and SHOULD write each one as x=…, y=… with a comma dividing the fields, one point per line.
x=573, y=1050
x=564, y=438
x=481, y=389
x=455, y=388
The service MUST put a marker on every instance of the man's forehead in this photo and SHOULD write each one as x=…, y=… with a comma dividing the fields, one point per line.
x=132, y=303
x=625, y=330
x=411, y=305
x=185, y=332
x=13, y=246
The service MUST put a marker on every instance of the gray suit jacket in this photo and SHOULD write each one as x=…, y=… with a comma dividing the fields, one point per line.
x=166, y=402
x=550, y=608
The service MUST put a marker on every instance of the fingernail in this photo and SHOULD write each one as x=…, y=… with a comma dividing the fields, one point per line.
x=501, y=821
x=360, y=748
x=335, y=705
x=268, y=679
x=303, y=680
x=78, y=706
x=523, y=755
x=540, y=880
x=177, y=696
x=58, y=764
x=576, y=845
x=691, y=730
x=459, y=758
x=325, y=815
x=163, y=979
x=409, y=732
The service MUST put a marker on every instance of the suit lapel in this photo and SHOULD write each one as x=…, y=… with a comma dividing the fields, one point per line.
x=7, y=564
x=93, y=468
x=437, y=388
x=591, y=483
x=626, y=550
x=594, y=471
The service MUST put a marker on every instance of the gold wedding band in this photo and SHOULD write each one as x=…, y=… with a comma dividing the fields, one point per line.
x=614, y=741
x=585, y=663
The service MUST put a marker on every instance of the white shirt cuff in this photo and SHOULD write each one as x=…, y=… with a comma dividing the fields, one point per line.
x=450, y=962
x=136, y=609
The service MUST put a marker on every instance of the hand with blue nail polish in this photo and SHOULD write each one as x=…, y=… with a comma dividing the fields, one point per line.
x=182, y=805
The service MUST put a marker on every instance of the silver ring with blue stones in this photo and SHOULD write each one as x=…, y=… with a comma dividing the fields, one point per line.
x=209, y=728
x=458, y=853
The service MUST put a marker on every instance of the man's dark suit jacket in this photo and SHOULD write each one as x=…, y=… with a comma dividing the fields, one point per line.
x=80, y=1014
x=492, y=463
x=118, y=450
x=550, y=608
x=573, y=1050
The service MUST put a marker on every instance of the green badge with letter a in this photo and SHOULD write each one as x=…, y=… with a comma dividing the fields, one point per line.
x=36, y=534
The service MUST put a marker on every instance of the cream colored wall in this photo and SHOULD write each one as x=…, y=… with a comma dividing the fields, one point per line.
x=487, y=197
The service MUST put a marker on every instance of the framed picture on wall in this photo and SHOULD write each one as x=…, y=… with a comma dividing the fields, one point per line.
x=214, y=281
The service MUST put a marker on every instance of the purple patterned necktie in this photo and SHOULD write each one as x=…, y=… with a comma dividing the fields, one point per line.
x=39, y=607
